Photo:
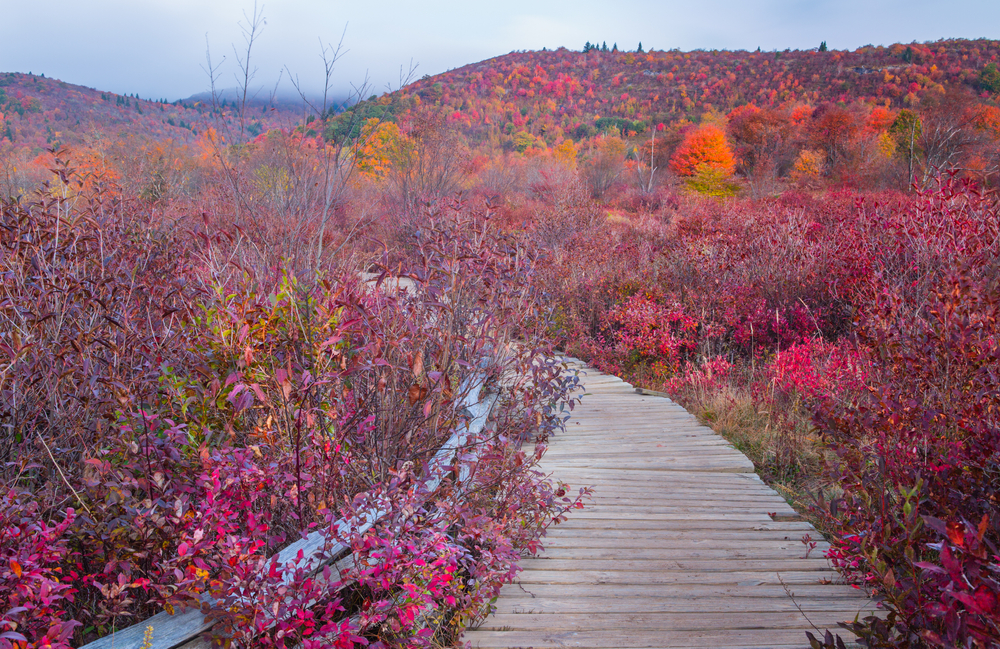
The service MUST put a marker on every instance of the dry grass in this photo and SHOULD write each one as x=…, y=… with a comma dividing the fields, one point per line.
x=779, y=438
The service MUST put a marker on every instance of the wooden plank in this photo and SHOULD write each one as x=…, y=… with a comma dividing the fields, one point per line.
x=694, y=510
x=678, y=518
x=666, y=621
x=640, y=593
x=570, y=538
x=691, y=543
x=729, y=603
x=632, y=526
x=636, y=479
x=639, y=639
x=656, y=444
x=681, y=503
x=621, y=496
x=642, y=577
x=731, y=465
x=664, y=565
x=709, y=528
x=784, y=551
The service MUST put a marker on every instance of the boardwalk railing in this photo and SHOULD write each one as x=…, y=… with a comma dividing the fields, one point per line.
x=319, y=549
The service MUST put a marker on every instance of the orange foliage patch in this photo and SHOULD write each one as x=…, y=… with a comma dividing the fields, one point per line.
x=880, y=119
x=703, y=148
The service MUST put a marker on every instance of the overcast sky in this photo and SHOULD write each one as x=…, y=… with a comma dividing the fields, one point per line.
x=156, y=48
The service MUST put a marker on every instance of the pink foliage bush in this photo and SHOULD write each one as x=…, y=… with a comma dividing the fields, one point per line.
x=33, y=587
x=815, y=370
x=183, y=407
x=644, y=330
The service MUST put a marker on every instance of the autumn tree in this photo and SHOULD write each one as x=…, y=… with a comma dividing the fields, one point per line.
x=989, y=78
x=906, y=130
x=379, y=145
x=948, y=137
x=762, y=138
x=807, y=168
x=650, y=157
x=986, y=118
x=565, y=153
x=834, y=130
x=429, y=165
x=704, y=147
x=606, y=163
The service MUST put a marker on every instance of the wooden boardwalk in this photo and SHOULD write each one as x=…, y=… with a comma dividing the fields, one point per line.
x=682, y=546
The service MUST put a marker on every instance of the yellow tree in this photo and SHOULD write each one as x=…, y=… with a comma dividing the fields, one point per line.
x=377, y=147
x=565, y=153
x=808, y=167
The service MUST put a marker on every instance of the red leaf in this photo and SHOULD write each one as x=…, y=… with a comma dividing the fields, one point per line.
x=955, y=533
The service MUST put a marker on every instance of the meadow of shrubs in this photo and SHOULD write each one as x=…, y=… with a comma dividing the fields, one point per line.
x=193, y=373
x=178, y=405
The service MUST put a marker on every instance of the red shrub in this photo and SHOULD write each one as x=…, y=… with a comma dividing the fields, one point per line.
x=33, y=587
x=918, y=464
x=645, y=330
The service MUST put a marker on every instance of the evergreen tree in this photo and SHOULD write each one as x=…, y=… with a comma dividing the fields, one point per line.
x=604, y=46
x=587, y=47
x=640, y=48
x=822, y=46
x=989, y=78
x=615, y=47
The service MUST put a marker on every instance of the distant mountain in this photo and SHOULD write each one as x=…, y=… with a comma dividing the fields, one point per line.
x=38, y=113
x=548, y=95
x=285, y=100
x=565, y=93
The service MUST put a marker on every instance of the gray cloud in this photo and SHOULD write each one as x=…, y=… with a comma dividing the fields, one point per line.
x=156, y=48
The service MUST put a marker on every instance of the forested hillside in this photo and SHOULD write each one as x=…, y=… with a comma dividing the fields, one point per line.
x=37, y=114
x=568, y=93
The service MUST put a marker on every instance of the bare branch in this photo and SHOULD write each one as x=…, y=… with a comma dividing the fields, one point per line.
x=212, y=71
x=251, y=29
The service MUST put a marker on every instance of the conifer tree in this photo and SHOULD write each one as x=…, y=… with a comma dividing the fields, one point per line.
x=989, y=78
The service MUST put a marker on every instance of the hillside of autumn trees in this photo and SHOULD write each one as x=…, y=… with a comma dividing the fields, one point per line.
x=800, y=247
x=873, y=117
x=39, y=113
x=566, y=93
x=807, y=116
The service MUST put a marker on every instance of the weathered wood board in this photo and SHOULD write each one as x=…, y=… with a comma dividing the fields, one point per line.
x=681, y=545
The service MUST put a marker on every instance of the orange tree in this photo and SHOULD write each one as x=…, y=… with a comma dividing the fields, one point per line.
x=704, y=148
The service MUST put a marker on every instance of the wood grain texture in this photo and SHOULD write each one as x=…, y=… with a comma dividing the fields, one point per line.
x=680, y=545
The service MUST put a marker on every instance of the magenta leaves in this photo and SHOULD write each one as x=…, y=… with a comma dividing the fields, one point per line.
x=197, y=418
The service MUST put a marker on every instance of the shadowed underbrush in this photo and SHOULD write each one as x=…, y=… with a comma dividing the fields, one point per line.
x=177, y=407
